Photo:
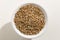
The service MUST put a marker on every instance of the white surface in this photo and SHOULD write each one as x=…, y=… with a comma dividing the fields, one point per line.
x=52, y=8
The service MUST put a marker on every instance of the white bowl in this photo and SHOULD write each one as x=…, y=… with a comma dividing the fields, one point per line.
x=29, y=36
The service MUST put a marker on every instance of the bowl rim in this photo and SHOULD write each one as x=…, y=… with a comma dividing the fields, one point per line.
x=29, y=36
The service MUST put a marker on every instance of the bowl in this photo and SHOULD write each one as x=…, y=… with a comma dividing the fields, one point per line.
x=29, y=36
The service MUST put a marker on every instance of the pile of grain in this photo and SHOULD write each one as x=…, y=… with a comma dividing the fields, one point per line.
x=29, y=19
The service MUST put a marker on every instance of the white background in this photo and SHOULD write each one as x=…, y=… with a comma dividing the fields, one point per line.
x=52, y=8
